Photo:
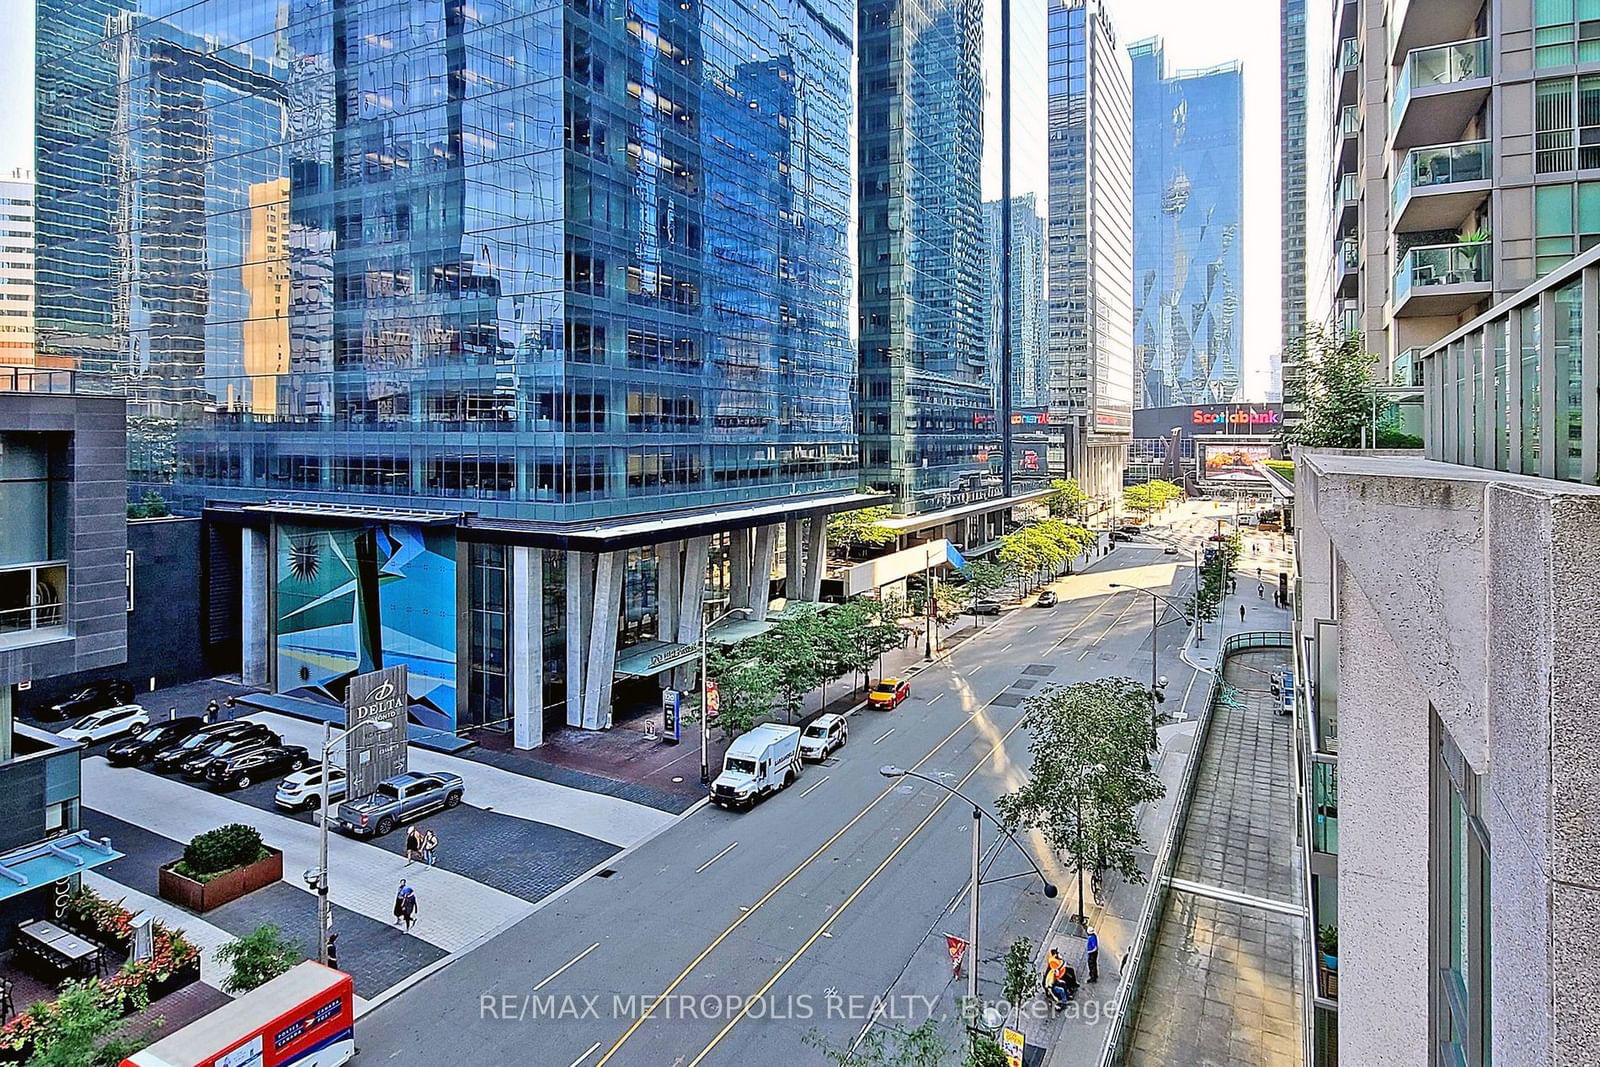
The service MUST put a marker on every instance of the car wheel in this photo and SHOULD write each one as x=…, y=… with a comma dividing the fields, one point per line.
x=243, y=782
x=313, y=804
x=295, y=765
x=385, y=824
x=453, y=798
x=138, y=728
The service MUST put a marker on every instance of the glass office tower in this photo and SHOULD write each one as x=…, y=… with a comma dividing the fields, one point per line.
x=523, y=268
x=1188, y=203
x=1029, y=368
x=928, y=428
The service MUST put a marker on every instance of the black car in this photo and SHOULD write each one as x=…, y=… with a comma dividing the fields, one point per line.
x=239, y=770
x=96, y=696
x=1131, y=529
x=194, y=768
x=1118, y=535
x=132, y=751
x=167, y=759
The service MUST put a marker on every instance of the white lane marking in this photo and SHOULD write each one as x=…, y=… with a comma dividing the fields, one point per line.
x=1007, y=646
x=1111, y=626
x=886, y=733
x=809, y=790
x=935, y=698
x=700, y=869
x=563, y=967
x=586, y=1054
x=978, y=668
x=1030, y=630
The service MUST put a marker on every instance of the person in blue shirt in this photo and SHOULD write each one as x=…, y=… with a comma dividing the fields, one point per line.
x=1092, y=955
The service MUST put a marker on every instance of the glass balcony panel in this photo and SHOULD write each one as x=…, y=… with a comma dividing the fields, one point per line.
x=1349, y=53
x=1350, y=121
x=1450, y=264
x=1446, y=164
x=1443, y=64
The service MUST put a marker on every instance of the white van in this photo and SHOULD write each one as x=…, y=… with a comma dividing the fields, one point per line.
x=760, y=762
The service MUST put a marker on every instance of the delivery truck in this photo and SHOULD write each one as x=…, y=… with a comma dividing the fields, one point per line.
x=758, y=763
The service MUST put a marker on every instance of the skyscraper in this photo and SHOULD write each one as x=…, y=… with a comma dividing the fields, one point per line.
x=1029, y=366
x=1292, y=119
x=403, y=290
x=1091, y=245
x=1188, y=204
x=16, y=271
x=928, y=427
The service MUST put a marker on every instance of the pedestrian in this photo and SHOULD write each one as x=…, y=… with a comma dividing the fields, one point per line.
x=1056, y=975
x=333, y=950
x=1092, y=955
x=211, y=711
x=1261, y=592
x=1241, y=613
x=400, y=901
x=430, y=841
x=408, y=906
x=413, y=845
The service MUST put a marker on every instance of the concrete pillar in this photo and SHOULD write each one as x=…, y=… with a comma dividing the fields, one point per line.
x=608, y=574
x=759, y=597
x=739, y=544
x=793, y=554
x=580, y=602
x=5, y=723
x=254, y=576
x=669, y=590
x=691, y=604
x=816, y=558
x=526, y=640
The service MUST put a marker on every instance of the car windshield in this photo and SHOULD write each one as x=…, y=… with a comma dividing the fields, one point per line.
x=741, y=766
x=225, y=748
x=87, y=721
x=816, y=731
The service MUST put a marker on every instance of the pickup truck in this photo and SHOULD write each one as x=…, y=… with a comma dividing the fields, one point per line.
x=758, y=763
x=399, y=799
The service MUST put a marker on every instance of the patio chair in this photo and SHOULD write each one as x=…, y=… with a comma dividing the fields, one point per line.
x=7, y=1007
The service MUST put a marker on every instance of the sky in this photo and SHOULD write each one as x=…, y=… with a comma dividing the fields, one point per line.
x=1196, y=35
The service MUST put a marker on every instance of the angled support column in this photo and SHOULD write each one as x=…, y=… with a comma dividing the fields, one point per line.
x=739, y=544
x=759, y=597
x=580, y=613
x=669, y=591
x=608, y=572
x=793, y=557
x=691, y=604
x=527, y=646
x=816, y=557
x=253, y=607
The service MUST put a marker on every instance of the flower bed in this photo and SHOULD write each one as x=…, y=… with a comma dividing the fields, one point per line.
x=174, y=963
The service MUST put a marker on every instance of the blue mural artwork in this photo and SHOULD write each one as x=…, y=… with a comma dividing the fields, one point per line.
x=354, y=600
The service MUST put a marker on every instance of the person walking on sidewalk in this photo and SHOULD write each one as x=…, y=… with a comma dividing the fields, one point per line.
x=1091, y=951
x=1241, y=613
x=413, y=845
x=399, y=902
x=406, y=905
x=211, y=712
x=333, y=950
x=430, y=841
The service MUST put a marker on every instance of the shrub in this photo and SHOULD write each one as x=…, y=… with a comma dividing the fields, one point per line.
x=257, y=958
x=219, y=851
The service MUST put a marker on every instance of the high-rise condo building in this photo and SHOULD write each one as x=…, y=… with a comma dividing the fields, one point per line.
x=501, y=340
x=1188, y=212
x=16, y=270
x=929, y=432
x=1292, y=151
x=1029, y=366
x=1090, y=245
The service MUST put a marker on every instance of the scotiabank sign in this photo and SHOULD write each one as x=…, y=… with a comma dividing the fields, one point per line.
x=1245, y=419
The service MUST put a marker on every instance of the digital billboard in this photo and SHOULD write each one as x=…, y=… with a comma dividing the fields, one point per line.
x=1229, y=462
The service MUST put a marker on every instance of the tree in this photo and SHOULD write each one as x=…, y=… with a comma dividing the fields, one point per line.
x=1336, y=390
x=984, y=579
x=794, y=650
x=1020, y=976
x=862, y=528
x=1066, y=499
x=1139, y=498
x=150, y=506
x=860, y=631
x=80, y=1029
x=257, y=958
x=1089, y=772
x=987, y=1052
x=747, y=688
x=922, y=1046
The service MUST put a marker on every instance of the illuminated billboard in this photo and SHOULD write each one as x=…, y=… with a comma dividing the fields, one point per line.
x=1229, y=462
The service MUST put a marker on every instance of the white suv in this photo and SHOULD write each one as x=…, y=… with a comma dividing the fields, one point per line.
x=826, y=733
x=104, y=725
x=302, y=791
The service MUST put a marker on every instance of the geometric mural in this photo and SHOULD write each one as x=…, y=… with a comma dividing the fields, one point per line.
x=354, y=600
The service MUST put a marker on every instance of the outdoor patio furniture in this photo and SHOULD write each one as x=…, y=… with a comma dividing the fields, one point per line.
x=59, y=951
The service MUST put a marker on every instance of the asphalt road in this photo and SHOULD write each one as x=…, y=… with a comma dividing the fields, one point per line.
x=756, y=929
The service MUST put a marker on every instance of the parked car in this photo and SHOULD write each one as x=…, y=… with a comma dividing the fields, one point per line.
x=1130, y=529
x=823, y=735
x=302, y=791
x=888, y=693
x=194, y=768
x=1047, y=599
x=96, y=696
x=1118, y=535
x=166, y=761
x=759, y=762
x=242, y=769
x=399, y=799
x=986, y=607
x=141, y=747
x=104, y=725
x=1170, y=550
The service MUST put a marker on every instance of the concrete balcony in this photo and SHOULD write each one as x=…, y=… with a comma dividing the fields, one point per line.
x=1442, y=279
x=1347, y=72
x=1419, y=23
x=1347, y=268
x=1438, y=91
x=1436, y=188
x=1348, y=141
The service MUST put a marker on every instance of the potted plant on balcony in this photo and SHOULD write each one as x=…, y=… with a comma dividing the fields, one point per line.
x=1472, y=246
x=1328, y=942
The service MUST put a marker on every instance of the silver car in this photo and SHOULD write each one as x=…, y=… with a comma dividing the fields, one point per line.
x=399, y=799
x=302, y=790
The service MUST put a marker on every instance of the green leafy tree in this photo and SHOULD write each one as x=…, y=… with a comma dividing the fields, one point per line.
x=1089, y=772
x=986, y=1052
x=862, y=528
x=1021, y=978
x=795, y=650
x=1336, y=391
x=1139, y=499
x=257, y=958
x=860, y=631
x=82, y=1028
x=1066, y=499
x=747, y=688
x=923, y=1046
x=984, y=578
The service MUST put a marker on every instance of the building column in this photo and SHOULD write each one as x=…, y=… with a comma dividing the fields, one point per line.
x=739, y=544
x=816, y=558
x=669, y=592
x=760, y=593
x=608, y=574
x=526, y=641
x=792, y=555
x=254, y=606
x=691, y=604
x=580, y=613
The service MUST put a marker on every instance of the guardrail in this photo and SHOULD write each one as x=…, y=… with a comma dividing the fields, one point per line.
x=1125, y=1012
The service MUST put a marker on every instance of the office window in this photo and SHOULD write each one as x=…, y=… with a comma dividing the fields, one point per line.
x=1565, y=31
x=1567, y=123
x=1553, y=227
x=1460, y=937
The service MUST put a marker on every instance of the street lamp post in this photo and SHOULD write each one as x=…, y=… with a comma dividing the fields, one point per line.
x=324, y=917
x=978, y=815
x=1156, y=684
x=705, y=720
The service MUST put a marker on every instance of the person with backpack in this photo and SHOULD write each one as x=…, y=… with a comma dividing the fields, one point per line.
x=413, y=845
x=430, y=841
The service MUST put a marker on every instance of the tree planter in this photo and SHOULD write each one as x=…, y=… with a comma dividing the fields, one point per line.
x=186, y=975
x=204, y=896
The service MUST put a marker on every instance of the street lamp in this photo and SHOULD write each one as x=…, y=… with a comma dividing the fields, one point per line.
x=705, y=718
x=1156, y=685
x=978, y=815
x=324, y=918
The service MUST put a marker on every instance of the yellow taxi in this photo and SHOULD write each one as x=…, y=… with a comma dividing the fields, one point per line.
x=888, y=692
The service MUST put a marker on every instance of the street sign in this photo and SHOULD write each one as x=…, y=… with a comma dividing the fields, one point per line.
x=1012, y=1043
x=957, y=947
x=713, y=701
x=671, y=716
x=371, y=755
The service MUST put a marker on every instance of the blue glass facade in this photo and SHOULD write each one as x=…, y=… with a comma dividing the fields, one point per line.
x=1188, y=258
x=928, y=429
x=522, y=258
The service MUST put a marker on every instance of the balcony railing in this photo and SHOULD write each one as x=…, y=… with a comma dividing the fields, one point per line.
x=1350, y=121
x=1349, y=53
x=1452, y=264
x=32, y=598
x=1443, y=64
x=1445, y=164
x=1349, y=254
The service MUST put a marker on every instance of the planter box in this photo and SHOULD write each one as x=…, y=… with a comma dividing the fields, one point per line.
x=203, y=896
x=186, y=975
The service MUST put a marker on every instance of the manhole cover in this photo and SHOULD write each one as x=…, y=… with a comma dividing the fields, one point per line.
x=1024, y=683
x=1039, y=669
x=1008, y=700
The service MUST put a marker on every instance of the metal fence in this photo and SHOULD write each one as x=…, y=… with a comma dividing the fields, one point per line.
x=1125, y=1013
